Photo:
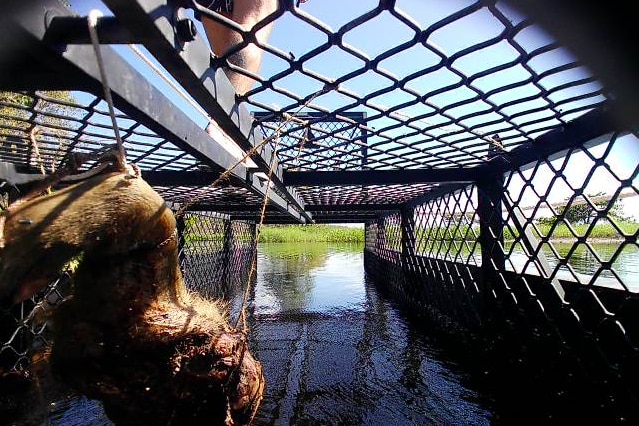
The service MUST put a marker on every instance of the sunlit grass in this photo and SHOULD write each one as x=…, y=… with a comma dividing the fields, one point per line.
x=599, y=231
x=310, y=233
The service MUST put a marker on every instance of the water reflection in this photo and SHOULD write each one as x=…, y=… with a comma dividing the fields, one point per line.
x=585, y=263
x=307, y=277
x=335, y=352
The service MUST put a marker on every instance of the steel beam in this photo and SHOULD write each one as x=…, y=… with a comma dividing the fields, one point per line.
x=132, y=93
x=591, y=129
x=339, y=208
x=180, y=178
x=74, y=30
x=189, y=62
x=345, y=219
x=353, y=207
x=379, y=177
x=434, y=193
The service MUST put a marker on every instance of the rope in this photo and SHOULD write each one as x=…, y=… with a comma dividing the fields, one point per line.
x=168, y=81
x=92, y=20
x=184, y=207
x=36, y=151
x=258, y=230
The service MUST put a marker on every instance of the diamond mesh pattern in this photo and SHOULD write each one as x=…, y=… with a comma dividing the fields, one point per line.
x=215, y=255
x=542, y=277
x=576, y=198
x=456, y=81
x=505, y=77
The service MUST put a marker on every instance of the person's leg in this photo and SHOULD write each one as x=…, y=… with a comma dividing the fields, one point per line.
x=246, y=13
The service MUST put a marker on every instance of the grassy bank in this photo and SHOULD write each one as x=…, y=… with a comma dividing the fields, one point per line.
x=601, y=231
x=310, y=233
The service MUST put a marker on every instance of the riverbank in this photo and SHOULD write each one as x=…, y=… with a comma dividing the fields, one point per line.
x=310, y=234
x=600, y=232
x=340, y=234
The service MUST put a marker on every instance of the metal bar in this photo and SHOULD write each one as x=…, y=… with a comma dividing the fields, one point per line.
x=180, y=225
x=379, y=177
x=409, y=240
x=74, y=30
x=352, y=207
x=180, y=178
x=189, y=61
x=360, y=117
x=132, y=94
x=9, y=173
x=591, y=129
x=344, y=219
x=436, y=192
x=315, y=209
x=491, y=225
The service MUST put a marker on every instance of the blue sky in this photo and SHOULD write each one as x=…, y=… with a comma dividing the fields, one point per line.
x=384, y=31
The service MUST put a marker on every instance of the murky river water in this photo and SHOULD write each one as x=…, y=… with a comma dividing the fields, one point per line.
x=335, y=352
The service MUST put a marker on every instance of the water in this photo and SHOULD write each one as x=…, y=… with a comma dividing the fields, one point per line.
x=586, y=264
x=335, y=352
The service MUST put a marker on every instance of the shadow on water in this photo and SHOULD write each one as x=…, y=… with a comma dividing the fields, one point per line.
x=335, y=352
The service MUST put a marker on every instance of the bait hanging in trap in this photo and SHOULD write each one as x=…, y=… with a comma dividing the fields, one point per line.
x=130, y=335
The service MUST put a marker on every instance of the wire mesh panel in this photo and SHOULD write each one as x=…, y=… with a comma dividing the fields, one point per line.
x=216, y=254
x=24, y=327
x=312, y=141
x=41, y=128
x=574, y=210
x=543, y=269
x=389, y=237
x=205, y=253
x=450, y=78
x=243, y=252
x=448, y=227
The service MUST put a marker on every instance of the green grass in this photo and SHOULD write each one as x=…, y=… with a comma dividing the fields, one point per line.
x=310, y=233
x=338, y=234
x=600, y=231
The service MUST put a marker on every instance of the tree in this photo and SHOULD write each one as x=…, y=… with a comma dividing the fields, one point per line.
x=580, y=210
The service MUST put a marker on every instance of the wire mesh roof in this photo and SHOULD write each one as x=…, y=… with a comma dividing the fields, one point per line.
x=436, y=80
x=346, y=86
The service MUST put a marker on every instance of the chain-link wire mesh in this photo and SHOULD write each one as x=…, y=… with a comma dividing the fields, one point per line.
x=435, y=92
x=215, y=256
x=24, y=327
x=545, y=270
x=76, y=122
x=311, y=141
x=514, y=252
